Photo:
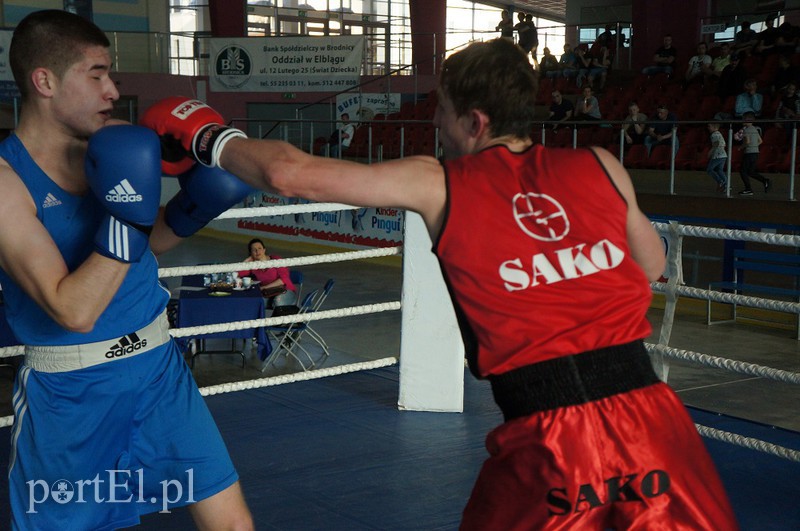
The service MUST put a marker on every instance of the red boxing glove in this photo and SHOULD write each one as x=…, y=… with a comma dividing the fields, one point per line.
x=189, y=130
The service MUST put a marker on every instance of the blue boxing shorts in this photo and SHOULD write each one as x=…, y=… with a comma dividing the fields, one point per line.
x=108, y=431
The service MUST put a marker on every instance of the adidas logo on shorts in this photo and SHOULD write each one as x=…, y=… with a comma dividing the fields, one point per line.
x=50, y=201
x=125, y=345
x=123, y=193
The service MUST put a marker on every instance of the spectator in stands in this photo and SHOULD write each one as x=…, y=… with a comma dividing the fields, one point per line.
x=745, y=39
x=635, y=127
x=717, y=157
x=601, y=63
x=587, y=107
x=568, y=64
x=750, y=147
x=528, y=36
x=699, y=67
x=522, y=30
x=663, y=60
x=749, y=100
x=584, y=62
x=732, y=78
x=722, y=60
x=662, y=129
x=608, y=39
x=769, y=39
x=789, y=104
x=789, y=39
x=506, y=25
x=548, y=66
x=561, y=109
x=533, y=35
x=341, y=138
x=785, y=74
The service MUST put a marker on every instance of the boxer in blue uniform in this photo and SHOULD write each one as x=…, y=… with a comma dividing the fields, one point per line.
x=109, y=423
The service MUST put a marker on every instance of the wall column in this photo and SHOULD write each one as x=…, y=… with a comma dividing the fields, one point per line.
x=228, y=18
x=652, y=19
x=428, y=27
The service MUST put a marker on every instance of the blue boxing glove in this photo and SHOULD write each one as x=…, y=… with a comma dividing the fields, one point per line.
x=205, y=194
x=123, y=167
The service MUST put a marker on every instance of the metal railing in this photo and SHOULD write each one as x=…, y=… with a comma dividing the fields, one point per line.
x=310, y=135
x=790, y=126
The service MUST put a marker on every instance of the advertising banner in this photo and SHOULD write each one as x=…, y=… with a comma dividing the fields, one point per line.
x=285, y=64
x=371, y=227
x=8, y=89
x=364, y=106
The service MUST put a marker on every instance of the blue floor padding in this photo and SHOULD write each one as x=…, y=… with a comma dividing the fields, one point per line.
x=336, y=453
x=764, y=490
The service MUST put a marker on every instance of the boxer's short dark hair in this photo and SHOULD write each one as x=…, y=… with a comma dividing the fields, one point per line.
x=496, y=78
x=52, y=39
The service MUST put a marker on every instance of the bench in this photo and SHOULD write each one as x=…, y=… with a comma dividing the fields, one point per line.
x=772, y=263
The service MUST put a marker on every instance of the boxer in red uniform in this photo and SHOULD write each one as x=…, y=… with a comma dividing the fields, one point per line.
x=591, y=438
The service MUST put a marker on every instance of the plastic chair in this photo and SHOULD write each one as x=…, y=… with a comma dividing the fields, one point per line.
x=562, y=137
x=774, y=136
x=736, y=159
x=317, y=305
x=290, y=309
x=297, y=278
x=660, y=157
x=686, y=158
x=584, y=137
x=288, y=337
x=604, y=135
x=694, y=135
x=779, y=161
x=708, y=107
x=771, y=155
x=635, y=157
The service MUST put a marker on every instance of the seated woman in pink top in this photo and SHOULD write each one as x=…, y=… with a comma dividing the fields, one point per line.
x=274, y=282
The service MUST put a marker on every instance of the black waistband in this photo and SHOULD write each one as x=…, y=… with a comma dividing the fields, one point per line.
x=573, y=380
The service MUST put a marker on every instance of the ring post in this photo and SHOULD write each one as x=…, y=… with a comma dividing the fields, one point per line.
x=431, y=350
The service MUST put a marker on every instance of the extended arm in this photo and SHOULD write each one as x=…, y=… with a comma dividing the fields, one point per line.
x=413, y=183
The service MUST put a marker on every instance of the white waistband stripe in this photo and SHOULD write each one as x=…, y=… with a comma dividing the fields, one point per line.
x=63, y=358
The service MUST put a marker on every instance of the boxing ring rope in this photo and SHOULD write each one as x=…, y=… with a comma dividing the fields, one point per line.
x=674, y=288
x=748, y=442
x=660, y=352
x=730, y=298
x=286, y=319
x=741, y=367
x=328, y=258
x=297, y=377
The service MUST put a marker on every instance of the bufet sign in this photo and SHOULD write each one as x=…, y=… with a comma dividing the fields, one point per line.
x=363, y=107
x=293, y=64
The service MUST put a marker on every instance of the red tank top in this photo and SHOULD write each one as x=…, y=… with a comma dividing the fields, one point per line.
x=534, y=248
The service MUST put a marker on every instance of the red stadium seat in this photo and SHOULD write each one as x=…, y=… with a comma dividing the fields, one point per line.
x=635, y=157
x=774, y=136
x=686, y=158
x=660, y=157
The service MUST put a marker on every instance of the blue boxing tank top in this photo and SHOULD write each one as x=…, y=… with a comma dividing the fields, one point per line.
x=72, y=222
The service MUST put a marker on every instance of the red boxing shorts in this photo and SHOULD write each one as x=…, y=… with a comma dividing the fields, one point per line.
x=630, y=460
